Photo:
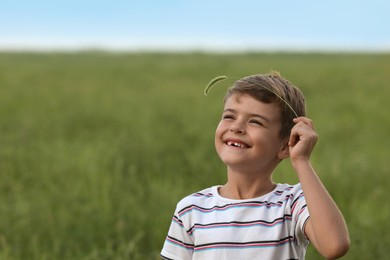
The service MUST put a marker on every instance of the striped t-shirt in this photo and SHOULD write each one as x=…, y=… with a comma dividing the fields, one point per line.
x=208, y=226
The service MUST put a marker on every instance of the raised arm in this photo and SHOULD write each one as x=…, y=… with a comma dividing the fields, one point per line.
x=326, y=227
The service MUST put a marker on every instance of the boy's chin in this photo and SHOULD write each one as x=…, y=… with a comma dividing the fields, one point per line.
x=234, y=162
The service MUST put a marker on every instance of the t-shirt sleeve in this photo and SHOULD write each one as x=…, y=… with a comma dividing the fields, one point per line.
x=178, y=243
x=300, y=214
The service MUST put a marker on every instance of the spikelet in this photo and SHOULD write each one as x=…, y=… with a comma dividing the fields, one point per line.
x=213, y=82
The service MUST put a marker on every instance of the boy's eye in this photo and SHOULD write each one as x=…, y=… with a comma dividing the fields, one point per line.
x=256, y=122
x=227, y=117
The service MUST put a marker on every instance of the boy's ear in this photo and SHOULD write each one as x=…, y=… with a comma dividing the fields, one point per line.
x=284, y=152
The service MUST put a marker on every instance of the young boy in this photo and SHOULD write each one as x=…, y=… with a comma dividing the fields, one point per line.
x=250, y=217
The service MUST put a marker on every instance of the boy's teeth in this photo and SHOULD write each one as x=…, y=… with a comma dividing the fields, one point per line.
x=235, y=144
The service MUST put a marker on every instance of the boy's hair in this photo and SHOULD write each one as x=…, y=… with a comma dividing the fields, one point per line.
x=273, y=88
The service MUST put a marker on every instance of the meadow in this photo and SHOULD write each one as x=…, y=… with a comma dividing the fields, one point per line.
x=97, y=148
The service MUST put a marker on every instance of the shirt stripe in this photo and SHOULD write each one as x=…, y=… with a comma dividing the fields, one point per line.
x=244, y=245
x=233, y=205
x=179, y=243
x=238, y=224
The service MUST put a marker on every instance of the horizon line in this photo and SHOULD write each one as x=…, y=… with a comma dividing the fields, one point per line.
x=192, y=45
x=187, y=49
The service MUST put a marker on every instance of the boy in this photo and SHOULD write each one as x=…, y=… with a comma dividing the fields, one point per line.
x=250, y=217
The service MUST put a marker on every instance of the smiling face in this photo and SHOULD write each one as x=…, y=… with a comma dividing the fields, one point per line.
x=247, y=137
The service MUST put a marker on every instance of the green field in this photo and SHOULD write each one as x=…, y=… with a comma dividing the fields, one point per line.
x=97, y=148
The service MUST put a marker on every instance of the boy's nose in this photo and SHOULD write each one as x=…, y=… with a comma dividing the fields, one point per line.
x=237, y=128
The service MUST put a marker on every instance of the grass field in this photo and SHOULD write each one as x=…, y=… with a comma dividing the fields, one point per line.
x=97, y=148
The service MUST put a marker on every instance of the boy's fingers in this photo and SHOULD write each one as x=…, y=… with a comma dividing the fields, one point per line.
x=304, y=120
x=293, y=140
x=303, y=127
x=294, y=137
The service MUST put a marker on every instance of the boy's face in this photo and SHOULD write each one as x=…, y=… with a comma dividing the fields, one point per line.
x=248, y=134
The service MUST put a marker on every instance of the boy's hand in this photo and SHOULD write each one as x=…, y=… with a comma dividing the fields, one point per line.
x=302, y=140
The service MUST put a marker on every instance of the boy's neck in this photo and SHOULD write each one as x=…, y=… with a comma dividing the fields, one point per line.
x=240, y=186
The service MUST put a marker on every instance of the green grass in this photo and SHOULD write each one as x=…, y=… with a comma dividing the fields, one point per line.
x=97, y=148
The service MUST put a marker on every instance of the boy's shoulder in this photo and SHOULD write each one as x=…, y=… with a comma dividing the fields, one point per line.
x=202, y=197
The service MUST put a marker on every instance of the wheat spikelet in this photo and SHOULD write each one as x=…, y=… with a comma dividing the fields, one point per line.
x=213, y=82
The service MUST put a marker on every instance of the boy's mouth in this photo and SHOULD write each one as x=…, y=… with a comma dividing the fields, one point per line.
x=236, y=144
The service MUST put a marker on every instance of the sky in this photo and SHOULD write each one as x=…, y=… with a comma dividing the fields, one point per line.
x=213, y=25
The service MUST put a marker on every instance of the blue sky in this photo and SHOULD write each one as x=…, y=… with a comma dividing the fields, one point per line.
x=219, y=25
